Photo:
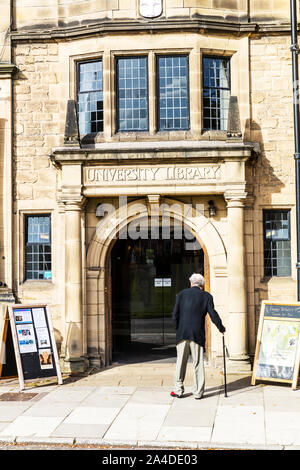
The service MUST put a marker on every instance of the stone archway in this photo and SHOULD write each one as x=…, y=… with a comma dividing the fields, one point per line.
x=106, y=233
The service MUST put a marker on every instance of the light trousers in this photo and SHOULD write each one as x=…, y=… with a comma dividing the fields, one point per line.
x=184, y=348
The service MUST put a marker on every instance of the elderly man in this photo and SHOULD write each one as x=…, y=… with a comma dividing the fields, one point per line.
x=189, y=313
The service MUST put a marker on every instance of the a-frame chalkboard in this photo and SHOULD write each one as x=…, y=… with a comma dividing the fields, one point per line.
x=34, y=343
x=277, y=354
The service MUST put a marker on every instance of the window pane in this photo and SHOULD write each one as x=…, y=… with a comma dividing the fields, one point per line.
x=173, y=93
x=277, y=243
x=90, y=97
x=216, y=92
x=132, y=91
x=38, y=248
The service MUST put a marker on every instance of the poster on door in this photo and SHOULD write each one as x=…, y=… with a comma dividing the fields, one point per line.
x=162, y=282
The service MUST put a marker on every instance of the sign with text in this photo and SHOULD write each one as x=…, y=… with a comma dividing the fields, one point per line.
x=34, y=343
x=107, y=175
x=277, y=354
x=162, y=282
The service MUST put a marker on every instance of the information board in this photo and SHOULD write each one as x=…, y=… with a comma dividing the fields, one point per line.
x=277, y=353
x=34, y=343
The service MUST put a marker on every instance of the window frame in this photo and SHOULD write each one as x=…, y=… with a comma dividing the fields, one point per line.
x=116, y=71
x=26, y=243
x=78, y=64
x=219, y=57
x=157, y=78
x=265, y=213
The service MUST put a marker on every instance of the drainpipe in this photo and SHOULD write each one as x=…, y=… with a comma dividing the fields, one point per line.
x=295, y=51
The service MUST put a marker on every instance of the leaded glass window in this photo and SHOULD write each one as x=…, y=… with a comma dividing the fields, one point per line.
x=38, y=247
x=277, y=243
x=173, y=100
x=132, y=94
x=90, y=97
x=216, y=92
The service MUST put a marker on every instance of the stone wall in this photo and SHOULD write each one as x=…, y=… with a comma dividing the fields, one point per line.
x=273, y=175
x=45, y=14
x=37, y=128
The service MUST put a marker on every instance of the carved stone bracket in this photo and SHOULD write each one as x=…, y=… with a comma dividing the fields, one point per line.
x=153, y=205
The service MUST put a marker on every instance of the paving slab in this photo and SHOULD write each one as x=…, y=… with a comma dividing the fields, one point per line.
x=139, y=421
x=10, y=412
x=80, y=430
x=283, y=427
x=31, y=426
x=151, y=396
x=239, y=424
x=184, y=433
x=105, y=400
x=112, y=390
x=3, y=425
x=92, y=415
x=40, y=410
x=204, y=416
x=67, y=395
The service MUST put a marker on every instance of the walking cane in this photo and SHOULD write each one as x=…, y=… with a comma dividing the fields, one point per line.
x=224, y=354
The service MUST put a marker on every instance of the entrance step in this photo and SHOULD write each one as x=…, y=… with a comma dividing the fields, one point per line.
x=152, y=375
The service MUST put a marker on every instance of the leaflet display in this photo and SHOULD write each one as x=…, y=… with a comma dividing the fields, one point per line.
x=277, y=353
x=34, y=343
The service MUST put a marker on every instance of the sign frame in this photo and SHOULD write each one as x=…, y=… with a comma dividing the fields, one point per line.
x=264, y=317
x=18, y=353
x=4, y=328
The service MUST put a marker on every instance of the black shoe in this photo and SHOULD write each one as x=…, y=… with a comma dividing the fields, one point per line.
x=198, y=398
x=173, y=394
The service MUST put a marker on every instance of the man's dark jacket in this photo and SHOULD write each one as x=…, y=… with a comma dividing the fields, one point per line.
x=189, y=313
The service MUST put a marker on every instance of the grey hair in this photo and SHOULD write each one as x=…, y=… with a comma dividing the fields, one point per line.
x=197, y=280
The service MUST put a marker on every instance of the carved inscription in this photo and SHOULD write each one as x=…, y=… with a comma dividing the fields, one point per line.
x=104, y=175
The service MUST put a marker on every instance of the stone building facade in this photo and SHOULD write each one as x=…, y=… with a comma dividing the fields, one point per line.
x=90, y=187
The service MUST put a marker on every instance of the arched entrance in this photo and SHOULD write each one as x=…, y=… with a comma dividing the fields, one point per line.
x=147, y=271
x=99, y=279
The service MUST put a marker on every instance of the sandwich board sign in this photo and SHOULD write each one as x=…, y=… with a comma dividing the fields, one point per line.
x=277, y=353
x=8, y=365
x=34, y=343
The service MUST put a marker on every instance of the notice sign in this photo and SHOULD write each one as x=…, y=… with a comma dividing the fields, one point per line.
x=277, y=353
x=34, y=343
x=162, y=282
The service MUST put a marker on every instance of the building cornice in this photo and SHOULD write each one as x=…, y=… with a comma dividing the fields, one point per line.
x=127, y=27
x=138, y=151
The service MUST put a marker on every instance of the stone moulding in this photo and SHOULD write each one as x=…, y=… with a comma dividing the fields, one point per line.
x=38, y=33
x=179, y=150
x=7, y=70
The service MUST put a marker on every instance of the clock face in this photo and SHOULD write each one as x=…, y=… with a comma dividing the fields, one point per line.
x=150, y=8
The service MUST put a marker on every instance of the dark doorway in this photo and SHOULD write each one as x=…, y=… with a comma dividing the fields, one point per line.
x=146, y=275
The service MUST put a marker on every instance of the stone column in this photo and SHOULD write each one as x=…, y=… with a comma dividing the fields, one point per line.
x=7, y=71
x=74, y=359
x=236, y=327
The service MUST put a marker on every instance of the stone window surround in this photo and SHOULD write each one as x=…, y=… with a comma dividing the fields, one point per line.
x=21, y=231
x=195, y=56
x=258, y=222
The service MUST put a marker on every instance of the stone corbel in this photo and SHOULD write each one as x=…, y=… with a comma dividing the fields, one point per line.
x=71, y=135
x=234, y=131
x=235, y=199
x=153, y=205
x=7, y=70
